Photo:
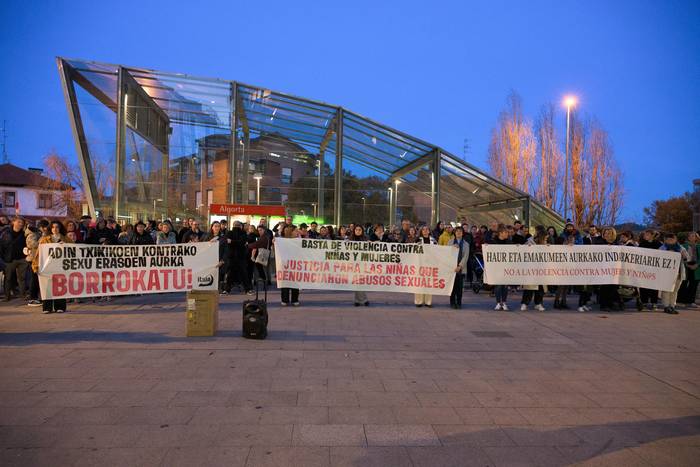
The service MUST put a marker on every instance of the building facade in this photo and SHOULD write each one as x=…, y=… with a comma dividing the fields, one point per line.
x=27, y=193
x=154, y=144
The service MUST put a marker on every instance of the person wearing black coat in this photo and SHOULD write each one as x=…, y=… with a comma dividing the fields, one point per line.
x=649, y=297
x=501, y=291
x=101, y=234
x=12, y=244
x=238, y=259
x=379, y=234
x=140, y=236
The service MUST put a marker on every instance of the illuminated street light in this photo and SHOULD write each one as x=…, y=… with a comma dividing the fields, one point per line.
x=569, y=102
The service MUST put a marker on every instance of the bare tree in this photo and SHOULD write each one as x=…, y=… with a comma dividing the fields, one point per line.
x=63, y=179
x=533, y=162
x=512, y=147
x=550, y=159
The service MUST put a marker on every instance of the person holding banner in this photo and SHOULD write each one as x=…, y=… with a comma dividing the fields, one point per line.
x=462, y=260
x=140, y=236
x=166, y=236
x=289, y=232
x=608, y=298
x=649, y=297
x=668, y=298
x=689, y=289
x=358, y=235
x=534, y=291
x=501, y=291
x=424, y=236
x=57, y=235
x=216, y=236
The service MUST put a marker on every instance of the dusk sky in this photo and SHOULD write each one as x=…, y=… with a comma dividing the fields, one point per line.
x=438, y=70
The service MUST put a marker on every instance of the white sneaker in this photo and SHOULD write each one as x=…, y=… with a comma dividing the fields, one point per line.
x=587, y=308
x=283, y=304
x=504, y=307
x=498, y=307
x=523, y=307
x=582, y=309
x=540, y=307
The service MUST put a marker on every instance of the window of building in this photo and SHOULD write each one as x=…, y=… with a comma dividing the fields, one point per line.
x=183, y=199
x=44, y=201
x=210, y=197
x=9, y=199
x=286, y=178
x=197, y=199
x=210, y=168
x=251, y=195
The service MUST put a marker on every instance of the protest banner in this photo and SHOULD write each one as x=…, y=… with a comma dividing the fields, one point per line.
x=368, y=266
x=69, y=270
x=580, y=265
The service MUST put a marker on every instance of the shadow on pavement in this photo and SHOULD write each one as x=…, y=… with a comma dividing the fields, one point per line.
x=465, y=445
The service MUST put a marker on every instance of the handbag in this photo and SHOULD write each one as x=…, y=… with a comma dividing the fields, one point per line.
x=263, y=256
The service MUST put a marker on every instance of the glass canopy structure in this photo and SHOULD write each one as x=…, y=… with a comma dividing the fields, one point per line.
x=155, y=144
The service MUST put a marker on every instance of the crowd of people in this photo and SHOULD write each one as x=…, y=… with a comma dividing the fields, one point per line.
x=245, y=253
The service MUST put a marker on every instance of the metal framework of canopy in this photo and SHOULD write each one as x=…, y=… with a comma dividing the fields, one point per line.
x=152, y=142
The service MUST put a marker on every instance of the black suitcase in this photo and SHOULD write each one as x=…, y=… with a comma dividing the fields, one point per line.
x=255, y=316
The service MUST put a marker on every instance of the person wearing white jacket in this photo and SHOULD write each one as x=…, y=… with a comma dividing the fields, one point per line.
x=668, y=298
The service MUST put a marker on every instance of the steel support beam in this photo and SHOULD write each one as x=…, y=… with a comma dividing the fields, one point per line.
x=328, y=135
x=233, y=107
x=425, y=159
x=338, y=211
x=121, y=142
x=435, y=198
x=81, y=147
x=526, y=212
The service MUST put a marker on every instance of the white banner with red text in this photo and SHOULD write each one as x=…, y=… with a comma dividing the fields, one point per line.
x=580, y=265
x=74, y=270
x=365, y=266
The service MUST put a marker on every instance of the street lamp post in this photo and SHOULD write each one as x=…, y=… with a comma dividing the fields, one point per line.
x=570, y=101
x=314, y=206
x=257, y=178
x=396, y=196
x=364, y=202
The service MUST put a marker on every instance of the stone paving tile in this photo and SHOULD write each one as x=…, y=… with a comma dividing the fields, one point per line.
x=329, y=435
x=293, y=415
x=211, y=415
x=86, y=416
x=532, y=435
x=447, y=399
x=206, y=457
x=252, y=435
x=27, y=415
x=328, y=399
x=75, y=399
x=288, y=456
x=345, y=456
x=140, y=399
x=136, y=457
x=201, y=398
x=423, y=415
x=511, y=456
x=472, y=435
x=448, y=456
x=23, y=457
x=401, y=435
x=387, y=399
x=361, y=415
x=596, y=456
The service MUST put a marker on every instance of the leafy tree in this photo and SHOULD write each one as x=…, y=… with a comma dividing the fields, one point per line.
x=674, y=214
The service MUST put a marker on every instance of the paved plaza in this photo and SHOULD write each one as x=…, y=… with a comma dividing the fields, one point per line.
x=119, y=384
